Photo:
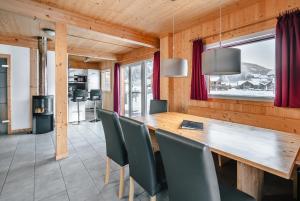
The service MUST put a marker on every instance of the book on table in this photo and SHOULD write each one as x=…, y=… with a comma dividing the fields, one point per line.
x=192, y=125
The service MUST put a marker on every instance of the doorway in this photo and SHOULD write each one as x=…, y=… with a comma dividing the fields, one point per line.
x=136, y=88
x=4, y=95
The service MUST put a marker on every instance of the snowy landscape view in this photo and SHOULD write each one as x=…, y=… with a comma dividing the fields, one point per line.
x=257, y=78
x=254, y=80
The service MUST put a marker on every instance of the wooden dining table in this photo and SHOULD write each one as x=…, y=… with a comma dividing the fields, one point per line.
x=256, y=150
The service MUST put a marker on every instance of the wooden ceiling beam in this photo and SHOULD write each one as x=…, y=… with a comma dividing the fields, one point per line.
x=18, y=41
x=82, y=65
x=45, y=12
x=135, y=55
x=31, y=42
x=91, y=53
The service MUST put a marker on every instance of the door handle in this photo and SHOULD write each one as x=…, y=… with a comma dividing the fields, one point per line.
x=5, y=121
x=4, y=66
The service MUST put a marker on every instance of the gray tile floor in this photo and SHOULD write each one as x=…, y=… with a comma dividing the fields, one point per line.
x=29, y=172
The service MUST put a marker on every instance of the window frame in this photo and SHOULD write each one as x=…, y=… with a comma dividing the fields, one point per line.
x=103, y=81
x=242, y=40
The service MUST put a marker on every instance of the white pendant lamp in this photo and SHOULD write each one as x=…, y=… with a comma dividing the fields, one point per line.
x=221, y=61
x=174, y=67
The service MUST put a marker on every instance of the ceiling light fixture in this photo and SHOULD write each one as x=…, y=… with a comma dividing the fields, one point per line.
x=86, y=60
x=49, y=32
x=174, y=67
x=221, y=60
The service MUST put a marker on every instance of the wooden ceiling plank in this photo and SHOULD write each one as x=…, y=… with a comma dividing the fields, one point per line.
x=45, y=12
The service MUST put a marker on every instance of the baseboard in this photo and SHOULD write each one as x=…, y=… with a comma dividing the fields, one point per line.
x=22, y=131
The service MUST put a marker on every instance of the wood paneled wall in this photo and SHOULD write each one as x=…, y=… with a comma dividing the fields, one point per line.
x=83, y=65
x=166, y=51
x=136, y=55
x=238, y=19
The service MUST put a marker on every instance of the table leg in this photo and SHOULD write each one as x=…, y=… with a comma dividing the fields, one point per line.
x=222, y=160
x=296, y=183
x=250, y=180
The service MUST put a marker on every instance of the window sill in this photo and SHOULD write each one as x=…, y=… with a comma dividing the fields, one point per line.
x=244, y=98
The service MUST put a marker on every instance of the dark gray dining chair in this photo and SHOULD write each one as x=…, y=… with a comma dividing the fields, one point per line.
x=145, y=167
x=115, y=147
x=158, y=106
x=190, y=171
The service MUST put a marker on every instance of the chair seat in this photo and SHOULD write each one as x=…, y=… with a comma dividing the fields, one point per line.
x=160, y=172
x=232, y=194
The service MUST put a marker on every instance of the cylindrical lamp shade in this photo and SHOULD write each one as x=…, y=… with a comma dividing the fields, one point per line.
x=174, y=67
x=221, y=61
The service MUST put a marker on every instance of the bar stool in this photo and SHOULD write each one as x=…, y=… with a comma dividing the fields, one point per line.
x=79, y=95
x=95, y=95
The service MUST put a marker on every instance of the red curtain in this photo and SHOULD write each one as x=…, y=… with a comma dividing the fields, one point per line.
x=288, y=60
x=156, y=76
x=198, y=84
x=117, y=88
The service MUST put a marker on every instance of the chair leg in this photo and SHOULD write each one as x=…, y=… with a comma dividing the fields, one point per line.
x=121, y=186
x=131, y=189
x=153, y=198
x=107, y=172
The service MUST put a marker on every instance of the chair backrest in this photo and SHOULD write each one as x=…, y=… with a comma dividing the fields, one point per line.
x=95, y=94
x=79, y=95
x=115, y=146
x=189, y=167
x=158, y=106
x=140, y=154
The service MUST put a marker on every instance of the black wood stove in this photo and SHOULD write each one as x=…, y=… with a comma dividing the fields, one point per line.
x=42, y=112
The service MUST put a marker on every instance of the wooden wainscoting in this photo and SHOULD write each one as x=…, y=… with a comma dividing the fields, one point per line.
x=255, y=113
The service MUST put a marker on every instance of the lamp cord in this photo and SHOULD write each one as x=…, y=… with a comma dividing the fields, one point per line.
x=173, y=45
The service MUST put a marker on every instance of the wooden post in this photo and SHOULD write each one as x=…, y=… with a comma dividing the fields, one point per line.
x=250, y=180
x=33, y=79
x=61, y=91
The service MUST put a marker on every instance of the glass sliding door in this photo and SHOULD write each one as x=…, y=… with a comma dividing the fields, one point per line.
x=148, y=73
x=136, y=88
x=124, y=89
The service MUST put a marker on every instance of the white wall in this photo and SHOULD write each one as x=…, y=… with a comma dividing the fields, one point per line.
x=20, y=82
x=20, y=85
x=51, y=75
x=51, y=72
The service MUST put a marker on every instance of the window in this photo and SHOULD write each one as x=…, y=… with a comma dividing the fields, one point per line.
x=105, y=80
x=149, y=73
x=257, y=78
x=136, y=88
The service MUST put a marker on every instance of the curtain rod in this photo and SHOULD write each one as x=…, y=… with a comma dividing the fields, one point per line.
x=233, y=29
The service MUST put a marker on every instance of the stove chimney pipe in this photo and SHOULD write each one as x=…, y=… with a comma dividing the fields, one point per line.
x=42, y=47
